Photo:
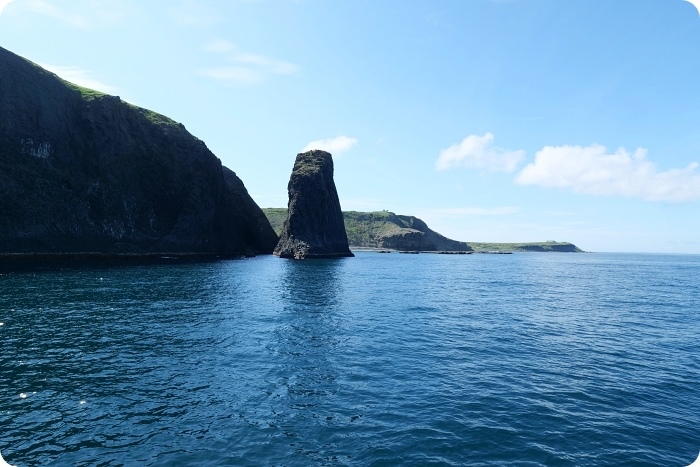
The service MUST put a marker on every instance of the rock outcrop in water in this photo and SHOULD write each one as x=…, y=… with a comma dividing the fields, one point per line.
x=314, y=226
x=84, y=172
x=384, y=230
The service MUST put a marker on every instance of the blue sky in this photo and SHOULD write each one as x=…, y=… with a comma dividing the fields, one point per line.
x=492, y=120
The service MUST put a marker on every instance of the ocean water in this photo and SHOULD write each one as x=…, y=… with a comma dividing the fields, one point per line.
x=523, y=359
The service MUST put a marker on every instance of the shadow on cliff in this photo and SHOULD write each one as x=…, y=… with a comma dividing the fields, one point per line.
x=85, y=173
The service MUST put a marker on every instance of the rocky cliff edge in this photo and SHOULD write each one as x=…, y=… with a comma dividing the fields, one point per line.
x=85, y=172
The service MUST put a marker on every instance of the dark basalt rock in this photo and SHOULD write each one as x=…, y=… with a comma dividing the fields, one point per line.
x=314, y=227
x=85, y=172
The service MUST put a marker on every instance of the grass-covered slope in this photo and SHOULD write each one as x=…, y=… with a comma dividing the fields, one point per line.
x=551, y=246
x=384, y=229
x=276, y=217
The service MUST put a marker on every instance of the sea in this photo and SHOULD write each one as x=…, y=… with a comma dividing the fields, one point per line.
x=527, y=359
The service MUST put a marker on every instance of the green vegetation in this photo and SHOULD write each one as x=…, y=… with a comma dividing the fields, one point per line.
x=86, y=93
x=154, y=117
x=365, y=229
x=308, y=164
x=91, y=94
x=534, y=246
x=276, y=216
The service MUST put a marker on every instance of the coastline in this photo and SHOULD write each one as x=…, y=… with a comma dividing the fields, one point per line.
x=21, y=261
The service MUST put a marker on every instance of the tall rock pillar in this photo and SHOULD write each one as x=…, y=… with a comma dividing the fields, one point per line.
x=314, y=227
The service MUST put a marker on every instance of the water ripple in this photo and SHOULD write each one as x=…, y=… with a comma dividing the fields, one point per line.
x=526, y=359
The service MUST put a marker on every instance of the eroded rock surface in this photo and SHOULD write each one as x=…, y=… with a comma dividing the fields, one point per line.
x=85, y=172
x=314, y=227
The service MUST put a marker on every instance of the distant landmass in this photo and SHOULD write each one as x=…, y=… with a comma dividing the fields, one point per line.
x=386, y=230
x=83, y=172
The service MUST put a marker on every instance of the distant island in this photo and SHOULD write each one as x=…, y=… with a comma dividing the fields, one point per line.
x=384, y=230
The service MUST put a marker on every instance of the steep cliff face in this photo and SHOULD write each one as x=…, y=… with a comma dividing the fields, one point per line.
x=84, y=172
x=314, y=226
x=385, y=229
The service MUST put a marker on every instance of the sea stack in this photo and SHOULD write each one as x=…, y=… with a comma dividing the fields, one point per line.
x=314, y=227
x=85, y=173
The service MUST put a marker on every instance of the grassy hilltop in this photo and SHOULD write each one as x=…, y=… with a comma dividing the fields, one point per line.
x=384, y=229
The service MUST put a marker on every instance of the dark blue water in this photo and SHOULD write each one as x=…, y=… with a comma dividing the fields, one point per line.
x=524, y=359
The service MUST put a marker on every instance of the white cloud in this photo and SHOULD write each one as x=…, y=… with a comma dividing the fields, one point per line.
x=278, y=67
x=478, y=152
x=246, y=68
x=591, y=170
x=80, y=77
x=3, y=4
x=335, y=146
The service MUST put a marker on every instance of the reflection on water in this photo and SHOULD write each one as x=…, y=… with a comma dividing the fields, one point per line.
x=377, y=360
x=313, y=284
x=303, y=346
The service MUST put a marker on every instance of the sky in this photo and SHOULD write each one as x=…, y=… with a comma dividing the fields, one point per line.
x=491, y=120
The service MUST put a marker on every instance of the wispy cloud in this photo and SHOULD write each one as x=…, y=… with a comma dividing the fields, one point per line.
x=478, y=152
x=79, y=76
x=337, y=145
x=592, y=170
x=3, y=4
x=278, y=67
x=245, y=68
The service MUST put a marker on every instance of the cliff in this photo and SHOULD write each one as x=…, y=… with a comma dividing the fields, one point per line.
x=386, y=230
x=314, y=224
x=85, y=172
x=383, y=229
